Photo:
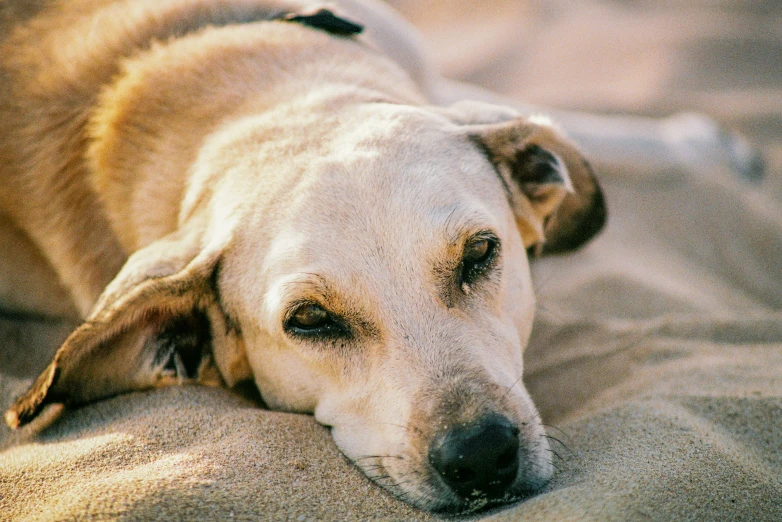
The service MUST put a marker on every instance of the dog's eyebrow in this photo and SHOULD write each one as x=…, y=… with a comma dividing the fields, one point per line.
x=314, y=287
x=309, y=283
x=460, y=225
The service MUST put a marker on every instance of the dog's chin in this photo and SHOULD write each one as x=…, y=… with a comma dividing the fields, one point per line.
x=448, y=504
x=479, y=502
x=429, y=494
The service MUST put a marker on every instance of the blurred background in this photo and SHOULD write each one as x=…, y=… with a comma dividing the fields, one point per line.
x=650, y=57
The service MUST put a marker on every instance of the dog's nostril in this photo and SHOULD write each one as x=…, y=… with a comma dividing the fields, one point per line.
x=478, y=459
x=508, y=459
x=462, y=474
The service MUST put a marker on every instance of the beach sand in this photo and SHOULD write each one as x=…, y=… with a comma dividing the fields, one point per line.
x=656, y=357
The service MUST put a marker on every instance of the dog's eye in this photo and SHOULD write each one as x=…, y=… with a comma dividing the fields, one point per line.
x=478, y=250
x=479, y=253
x=309, y=317
x=312, y=320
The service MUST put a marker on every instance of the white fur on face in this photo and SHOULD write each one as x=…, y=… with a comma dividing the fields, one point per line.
x=371, y=226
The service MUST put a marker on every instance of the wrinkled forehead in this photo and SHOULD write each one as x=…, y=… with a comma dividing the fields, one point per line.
x=397, y=177
x=385, y=197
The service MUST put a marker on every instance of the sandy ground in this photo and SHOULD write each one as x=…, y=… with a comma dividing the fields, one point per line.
x=656, y=356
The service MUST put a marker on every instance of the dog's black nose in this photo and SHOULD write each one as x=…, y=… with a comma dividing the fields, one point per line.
x=478, y=459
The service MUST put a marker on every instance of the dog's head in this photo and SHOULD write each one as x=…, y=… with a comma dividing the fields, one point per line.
x=374, y=273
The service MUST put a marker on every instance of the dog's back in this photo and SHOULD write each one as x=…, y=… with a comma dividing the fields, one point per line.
x=41, y=170
x=55, y=59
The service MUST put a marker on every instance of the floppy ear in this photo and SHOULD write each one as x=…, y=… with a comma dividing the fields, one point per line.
x=553, y=191
x=159, y=322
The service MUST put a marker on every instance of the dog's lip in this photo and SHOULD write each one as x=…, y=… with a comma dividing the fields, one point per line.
x=442, y=500
x=481, y=503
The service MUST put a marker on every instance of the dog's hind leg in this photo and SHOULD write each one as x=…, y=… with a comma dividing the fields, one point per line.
x=28, y=284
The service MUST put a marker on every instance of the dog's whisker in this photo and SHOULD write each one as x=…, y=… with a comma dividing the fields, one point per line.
x=406, y=427
x=554, y=452
x=366, y=457
x=400, y=487
x=551, y=437
x=409, y=473
x=410, y=495
x=511, y=386
x=554, y=428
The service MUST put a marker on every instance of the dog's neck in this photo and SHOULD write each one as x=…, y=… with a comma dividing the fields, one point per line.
x=152, y=121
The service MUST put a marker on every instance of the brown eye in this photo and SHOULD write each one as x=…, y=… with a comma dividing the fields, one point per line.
x=477, y=251
x=479, y=254
x=314, y=322
x=308, y=317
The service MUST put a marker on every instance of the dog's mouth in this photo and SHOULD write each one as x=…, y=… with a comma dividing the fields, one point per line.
x=466, y=470
x=429, y=496
x=480, y=503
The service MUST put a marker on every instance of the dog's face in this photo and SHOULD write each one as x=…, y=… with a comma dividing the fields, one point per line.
x=392, y=298
x=375, y=274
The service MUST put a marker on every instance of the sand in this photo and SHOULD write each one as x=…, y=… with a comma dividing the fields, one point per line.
x=656, y=357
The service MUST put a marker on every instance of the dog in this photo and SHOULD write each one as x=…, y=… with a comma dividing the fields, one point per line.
x=283, y=192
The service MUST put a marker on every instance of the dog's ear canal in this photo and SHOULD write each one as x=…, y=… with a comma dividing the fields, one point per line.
x=159, y=322
x=554, y=194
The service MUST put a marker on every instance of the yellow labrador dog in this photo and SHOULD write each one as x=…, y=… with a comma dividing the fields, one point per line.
x=283, y=192
x=233, y=190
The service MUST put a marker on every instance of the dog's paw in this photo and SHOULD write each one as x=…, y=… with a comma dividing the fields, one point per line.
x=704, y=147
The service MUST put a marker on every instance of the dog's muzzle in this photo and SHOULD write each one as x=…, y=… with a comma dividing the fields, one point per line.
x=478, y=460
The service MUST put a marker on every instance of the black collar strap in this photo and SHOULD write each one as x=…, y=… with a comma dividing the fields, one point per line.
x=325, y=20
